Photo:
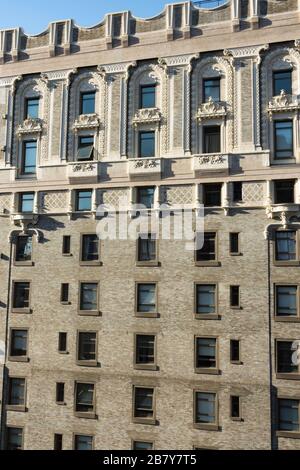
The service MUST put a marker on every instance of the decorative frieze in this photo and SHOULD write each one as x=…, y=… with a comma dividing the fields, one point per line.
x=283, y=102
x=211, y=163
x=146, y=116
x=149, y=167
x=86, y=172
x=86, y=121
x=210, y=110
x=30, y=126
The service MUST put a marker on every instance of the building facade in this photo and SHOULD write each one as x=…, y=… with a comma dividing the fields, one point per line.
x=120, y=344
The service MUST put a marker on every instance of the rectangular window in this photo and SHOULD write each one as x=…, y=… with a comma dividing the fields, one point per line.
x=58, y=442
x=234, y=246
x=205, y=299
x=206, y=354
x=212, y=194
x=16, y=396
x=64, y=293
x=60, y=392
x=85, y=151
x=85, y=397
x=87, y=102
x=208, y=251
x=237, y=191
x=146, y=298
x=142, y=445
x=286, y=301
x=146, y=144
x=18, y=343
x=235, y=407
x=145, y=197
x=283, y=139
x=14, y=438
x=26, y=201
x=284, y=362
x=83, y=200
x=66, y=246
x=23, y=248
x=235, y=350
x=211, y=89
x=234, y=296
x=285, y=245
x=282, y=80
x=205, y=408
x=145, y=349
x=29, y=157
x=62, y=342
x=90, y=248
x=83, y=442
x=88, y=296
x=32, y=108
x=147, y=96
x=288, y=415
x=143, y=403
x=21, y=295
x=147, y=247
x=211, y=139
x=284, y=191
x=87, y=343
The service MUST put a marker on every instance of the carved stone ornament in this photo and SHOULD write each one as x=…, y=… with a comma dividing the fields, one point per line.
x=210, y=110
x=283, y=102
x=283, y=212
x=146, y=163
x=82, y=167
x=86, y=121
x=30, y=126
x=211, y=159
x=146, y=116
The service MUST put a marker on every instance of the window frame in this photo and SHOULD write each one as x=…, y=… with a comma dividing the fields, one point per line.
x=82, y=93
x=12, y=426
x=92, y=313
x=133, y=441
x=275, y=72
x=285, y=433
x=206, y=426
x=278, y=262
x=206, y=79
x=75, y=435
x=85, y=362
x=11, y=357
x=275, y=149
x=92, y=262
x=83, y=211
x=145, y=262
x=85, y=414
x=140, y=420
x=240, y=417
x=139, y=314
x=20, y=196
x=205, y=186
x=58, y=402
x=215, y=262
x=91, y=155
x=207, y=370
x=231, y=295
x=20, y=407
x=62, y=351
x=285, y=375
x=234, y=361
x=14, y=309
x=147, y=366
x=287, y=318
x=149, y=85
x=238, y=252
x=23, y=173
x=275, y=183
x=204, y=131
x=64, y=251
x=206, y=316
x=146, y=131
x=23, y=263
x=26, y=101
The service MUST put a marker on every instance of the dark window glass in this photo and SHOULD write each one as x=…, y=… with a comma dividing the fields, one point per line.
x=288, y=418
x=146, y=301
x=62, y=342
x=145, y=345
x=18, y=343
x=64, y=293
x=26, y=202
x=143, y=403
x=145, y=197
x=29, y=157
x=58, y=442
x=60, y=392
x=32, y=108
x=23, y=248
x=285, y=245
x=87, y=105
x=148, y=98
x=85, y=150
x=146, y=248
x=66, y=248
x=283, y=136
x=85, y=397
x=83, y=442
x=206, y=299
x=235, y=350
x=235, y=406
x=284, y=191
x=212, y=139
x=212, y=194
x=206, y=353
x=237, y=191
x=83, y=200
x=21, y=295
x=211, y=88
x=14, y=438
x=16, y=392
x=139, y=445
x=88, y=296
x=234, y=243
x=286, y=301
x=282, y=80
x=284, y=357
x=234, y=296
x=90, y=248
x=87, y=346
x=147, y=144
x=205, y=409
x=208, y=251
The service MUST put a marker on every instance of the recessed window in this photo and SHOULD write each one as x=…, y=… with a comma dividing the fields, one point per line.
x=85, y=397
x=18, y=343
x=14, y=438
x=283, y=139
x=288, y=415
x=90, y=248
x=145, y=350
x=206, y=299
x=83, y=200
x=147, y=144
x=205, y=408
x=87, y=342
x=85, y=151
x=66, y=245
x=284, y=191
x=145, y=196
x=83, y=442
x=60, y=392
x=147, y=247
x=285, y=245
x=58, y=442
x=212, y=194
x=282, y=80
x=234, y=245
x=16, y=395
x=237, y=191
x=211, y=139
x=208, y=250
x=144, y=403
x=87, y=102
x=147, y=96
x=62, y=342
x=211, y=89
x=23, y=248
x=142, y=445
x=21, y=295
x=29, y=157
x=206, y=353
x=26, y=201
x=64, y=293
x=146, y=298
x=32, y=108
x=284, y=358
x=88, y=296
x=235, y=353
x=235, y=407
x=234, y=296
x=286, y=301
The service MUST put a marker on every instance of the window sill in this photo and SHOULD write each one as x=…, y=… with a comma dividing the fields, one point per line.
x=237, y=420
x=85, y=415
x=66, y=303
x=67, y=255
x=208, y=264
x=18, y=408
x=90, y=263
x=22, y=310
x=287, y=376
x=238, y=307
x=288, y=434
x=289, y=319
x=203, y=370
x=89, y=313
x=23, y=263
x=236, y=254
x=147, y=315
x=18, y=359
x=208, y=316
x=207, y=427
x=145, y=367
x=87, y=363
x=149, y=421
x=63, y=353
x=61, y=403
x=236, y=363
x=148, y=264
x=287, y=263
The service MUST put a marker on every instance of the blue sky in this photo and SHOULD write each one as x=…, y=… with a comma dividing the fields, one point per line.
x=34, y=15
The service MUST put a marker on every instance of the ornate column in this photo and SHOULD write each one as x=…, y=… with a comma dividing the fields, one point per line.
x=8, y=87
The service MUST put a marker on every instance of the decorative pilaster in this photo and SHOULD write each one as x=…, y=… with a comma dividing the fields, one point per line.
x=235, y=15
x=254, y=14
x=225, y=198
x=8, y=86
